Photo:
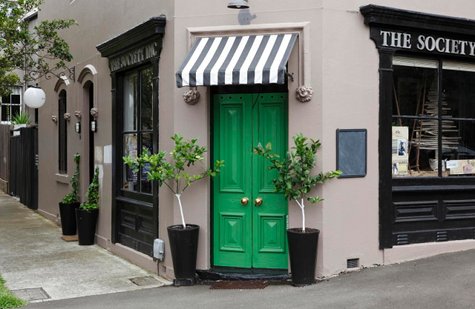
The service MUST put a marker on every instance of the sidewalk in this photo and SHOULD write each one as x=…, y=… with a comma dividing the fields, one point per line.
x=36, y=263
x=439, y=282
x=39, y=266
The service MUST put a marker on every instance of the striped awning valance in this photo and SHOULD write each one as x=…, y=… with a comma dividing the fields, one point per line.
x=237, y=60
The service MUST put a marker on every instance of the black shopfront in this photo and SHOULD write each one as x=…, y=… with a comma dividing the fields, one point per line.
x=426, y=125
x=134, y=65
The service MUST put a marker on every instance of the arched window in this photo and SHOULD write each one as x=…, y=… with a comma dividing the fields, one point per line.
x=62, y=134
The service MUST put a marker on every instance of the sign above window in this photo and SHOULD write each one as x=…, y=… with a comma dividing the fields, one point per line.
x=136, y=46
x=134, y=57
x=418, y=42
x=401, y=30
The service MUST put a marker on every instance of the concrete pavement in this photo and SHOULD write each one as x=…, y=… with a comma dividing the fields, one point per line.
x=441, y=282
x=39, y=266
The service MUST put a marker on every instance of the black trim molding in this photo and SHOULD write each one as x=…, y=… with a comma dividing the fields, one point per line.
x=375, y=15
x=409, y=31
x=136, y=46
x=153, y=27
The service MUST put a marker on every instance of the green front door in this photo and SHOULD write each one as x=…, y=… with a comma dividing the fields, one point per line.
x=249, y=218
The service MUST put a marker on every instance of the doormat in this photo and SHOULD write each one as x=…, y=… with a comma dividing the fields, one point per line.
x=239, y=285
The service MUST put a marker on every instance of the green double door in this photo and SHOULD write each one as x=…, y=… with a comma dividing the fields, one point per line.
x=249, y=217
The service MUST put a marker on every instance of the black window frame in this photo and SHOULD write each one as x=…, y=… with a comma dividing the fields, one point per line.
x=62, y=133
x=139, y=132
x=439, y=71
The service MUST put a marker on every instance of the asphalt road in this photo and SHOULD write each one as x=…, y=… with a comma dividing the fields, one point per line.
x=445, y=281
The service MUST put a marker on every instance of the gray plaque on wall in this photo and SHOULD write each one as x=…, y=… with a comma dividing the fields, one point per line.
x=351, y=152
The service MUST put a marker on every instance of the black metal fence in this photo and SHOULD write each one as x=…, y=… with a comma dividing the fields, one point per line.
x=23, y=181
x=4, y=156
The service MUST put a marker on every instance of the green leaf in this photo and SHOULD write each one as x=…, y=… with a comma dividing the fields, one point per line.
x=176, y=169
x=73, y=196
x=294, y=172
x=92, y=195
x=37, y=50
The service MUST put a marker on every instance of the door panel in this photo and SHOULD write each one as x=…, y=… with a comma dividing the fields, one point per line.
x=234, y=126
x=270, y=241
x=232, y=220
x=247, y=235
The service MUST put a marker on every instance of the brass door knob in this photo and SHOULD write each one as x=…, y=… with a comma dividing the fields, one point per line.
x=258, y=201
x=244, y=201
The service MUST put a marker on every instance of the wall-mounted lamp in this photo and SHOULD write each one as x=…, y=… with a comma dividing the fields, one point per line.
x=238, y=4
x=77, y=127
x=34, y=97
x=94, y=113
x=93, y=125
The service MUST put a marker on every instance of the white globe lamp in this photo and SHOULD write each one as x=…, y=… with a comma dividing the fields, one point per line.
x=34, y=97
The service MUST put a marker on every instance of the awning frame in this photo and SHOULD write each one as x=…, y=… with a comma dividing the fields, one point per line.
x=302, y=44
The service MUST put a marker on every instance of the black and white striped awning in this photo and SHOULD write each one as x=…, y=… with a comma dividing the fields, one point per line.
x=237, y=60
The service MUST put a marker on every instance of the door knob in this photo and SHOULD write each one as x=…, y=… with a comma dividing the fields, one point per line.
x=244, y=201
x=258, y=201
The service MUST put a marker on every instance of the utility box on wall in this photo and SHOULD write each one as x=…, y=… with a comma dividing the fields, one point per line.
x=158, y=249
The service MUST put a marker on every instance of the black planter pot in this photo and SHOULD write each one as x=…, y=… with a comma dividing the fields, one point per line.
x=303, y=255
x=67, y=212
x=184, y=247
x=86, y=221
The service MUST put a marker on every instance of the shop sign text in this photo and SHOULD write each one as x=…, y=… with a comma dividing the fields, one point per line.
x=427, y=43
x=133, y=57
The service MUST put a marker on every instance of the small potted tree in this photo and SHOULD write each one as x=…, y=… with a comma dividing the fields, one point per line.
x=88, y=212
x=70, y=202
x=295, y=180
x=172, y=171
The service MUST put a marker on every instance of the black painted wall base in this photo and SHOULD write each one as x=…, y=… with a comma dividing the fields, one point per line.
x=405, y=238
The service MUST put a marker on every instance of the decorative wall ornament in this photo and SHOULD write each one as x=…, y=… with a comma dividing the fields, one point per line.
x=94, y=112
x=191, y=96
x=54, y=118
x=304, y=94
x=67, y=116
x=77, y=114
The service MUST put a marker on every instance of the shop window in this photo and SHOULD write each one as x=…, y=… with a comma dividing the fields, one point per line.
x=137, y=126
x=10, y=105
x=62, y=134
x=433, y=126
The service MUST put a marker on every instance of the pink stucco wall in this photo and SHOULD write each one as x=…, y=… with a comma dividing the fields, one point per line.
x=334, y=56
